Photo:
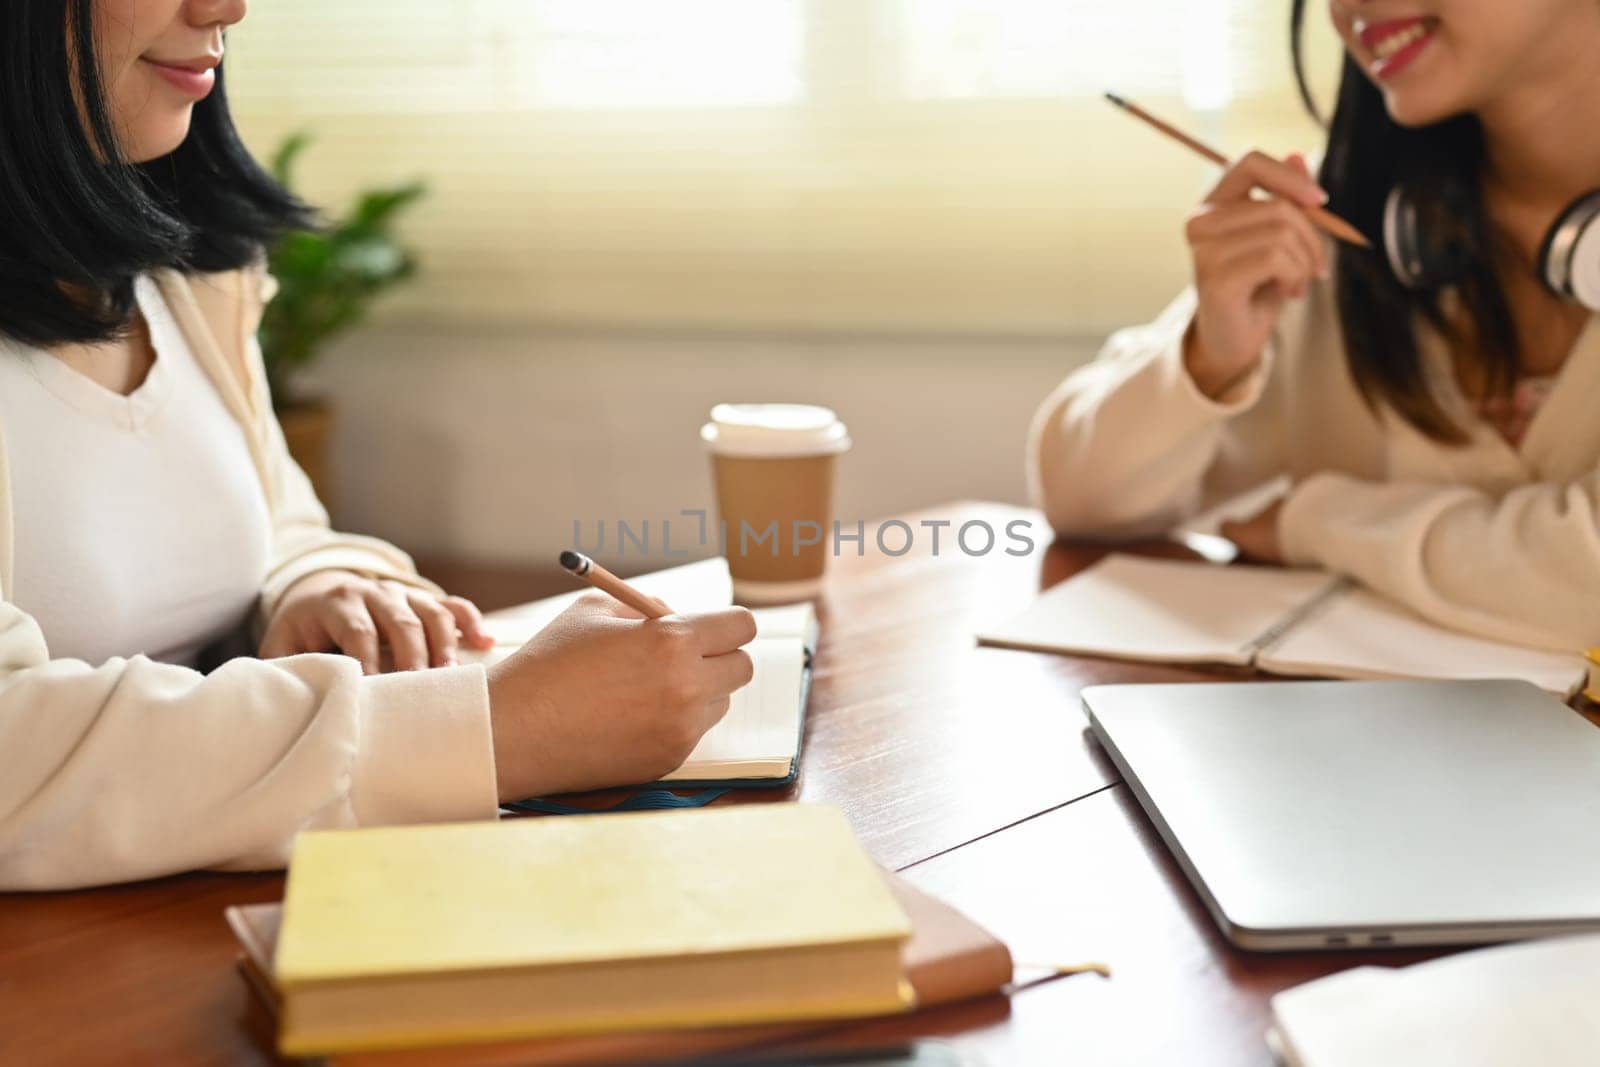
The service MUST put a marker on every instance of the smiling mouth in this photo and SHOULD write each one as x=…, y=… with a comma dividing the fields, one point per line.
x=1389, y=45
x=1394, y=44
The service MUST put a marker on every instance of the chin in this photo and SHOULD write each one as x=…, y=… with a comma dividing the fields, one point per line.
x=1414, y=108
x=154, y=140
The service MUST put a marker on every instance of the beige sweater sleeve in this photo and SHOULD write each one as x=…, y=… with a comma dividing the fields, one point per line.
x=1128, y=446
x=131, y=769
x=1523, y=567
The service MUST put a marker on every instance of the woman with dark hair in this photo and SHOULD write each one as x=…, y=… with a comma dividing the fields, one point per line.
x=149, y=513
x=1432, y=402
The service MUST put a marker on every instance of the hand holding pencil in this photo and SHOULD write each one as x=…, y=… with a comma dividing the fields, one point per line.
x=602, y=698
x=1250, y=256
x=1324, y=219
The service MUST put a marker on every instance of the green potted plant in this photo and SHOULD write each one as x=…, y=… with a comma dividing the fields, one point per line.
x=327, y=279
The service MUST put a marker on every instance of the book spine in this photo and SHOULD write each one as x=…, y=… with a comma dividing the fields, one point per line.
x=1272, y=634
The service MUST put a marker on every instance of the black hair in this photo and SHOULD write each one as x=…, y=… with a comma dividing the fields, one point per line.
x=1441, y=168
x=77, y=220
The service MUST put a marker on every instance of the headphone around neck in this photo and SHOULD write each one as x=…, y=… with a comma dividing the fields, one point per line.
x=1569, y=255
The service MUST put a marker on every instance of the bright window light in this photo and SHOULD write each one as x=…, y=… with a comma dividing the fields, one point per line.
x=957, y=49
x=1208, y=59
x=659, y=53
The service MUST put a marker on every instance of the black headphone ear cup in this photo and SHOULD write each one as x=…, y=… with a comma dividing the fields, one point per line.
x=1401, y=240
x=1569, y=258
x=1423, y=239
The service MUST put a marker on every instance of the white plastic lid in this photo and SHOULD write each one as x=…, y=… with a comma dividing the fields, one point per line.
x=774, y=430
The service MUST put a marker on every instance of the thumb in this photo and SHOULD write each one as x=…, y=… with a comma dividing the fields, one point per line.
x=1297, y=160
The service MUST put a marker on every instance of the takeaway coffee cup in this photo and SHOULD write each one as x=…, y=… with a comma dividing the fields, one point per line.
x=773, y=466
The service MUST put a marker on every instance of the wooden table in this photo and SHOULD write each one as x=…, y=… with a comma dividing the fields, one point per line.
x=971, y=769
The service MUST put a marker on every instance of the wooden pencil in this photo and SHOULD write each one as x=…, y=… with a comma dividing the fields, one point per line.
x=581, y=566
x=1324, y=219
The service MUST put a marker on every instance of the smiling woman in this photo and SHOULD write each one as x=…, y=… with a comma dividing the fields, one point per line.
x=77, y=151
x=1430, y=402
x=193, y=666
x=155, y=68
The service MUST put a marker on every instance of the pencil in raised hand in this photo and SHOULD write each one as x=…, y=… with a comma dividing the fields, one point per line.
x=1324, y=219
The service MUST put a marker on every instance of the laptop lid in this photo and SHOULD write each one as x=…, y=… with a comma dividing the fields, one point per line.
x=1341, y=814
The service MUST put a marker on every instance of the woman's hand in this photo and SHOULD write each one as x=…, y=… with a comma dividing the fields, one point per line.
x=1257, y=536
x=601, y=697
x=1250, y=257
x=337, y=611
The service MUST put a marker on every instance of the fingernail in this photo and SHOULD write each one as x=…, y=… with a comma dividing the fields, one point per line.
x=1320, y=196
x=451, y=661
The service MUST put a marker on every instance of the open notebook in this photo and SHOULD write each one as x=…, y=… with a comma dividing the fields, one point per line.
x=758, y=742
x=1294, y=622
x=1528, y=1003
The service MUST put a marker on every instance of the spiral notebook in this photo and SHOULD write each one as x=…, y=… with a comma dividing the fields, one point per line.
x=757, y=743
x=1284, y=621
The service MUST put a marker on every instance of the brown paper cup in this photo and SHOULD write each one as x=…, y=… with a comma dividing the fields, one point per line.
x=773, y=465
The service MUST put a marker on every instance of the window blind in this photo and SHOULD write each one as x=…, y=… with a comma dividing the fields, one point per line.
x=924, y=166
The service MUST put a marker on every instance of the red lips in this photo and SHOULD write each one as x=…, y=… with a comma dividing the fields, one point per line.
x=1374, y=33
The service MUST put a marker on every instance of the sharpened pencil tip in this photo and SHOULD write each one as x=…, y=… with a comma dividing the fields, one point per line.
x=1115, y=99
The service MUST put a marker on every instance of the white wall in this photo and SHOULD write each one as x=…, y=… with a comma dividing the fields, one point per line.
x=489, y=446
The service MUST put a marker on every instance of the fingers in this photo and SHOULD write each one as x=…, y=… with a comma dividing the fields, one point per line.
x=716, y=711
x=402, y=630
x=356, y=615
x=1257, y=263
x=716, y=632
x=724, y=674
x=438, y=624
x=1219, y=229
x=349, y=622
x=469, y=620
x=1257, y=170
x=1242, y=244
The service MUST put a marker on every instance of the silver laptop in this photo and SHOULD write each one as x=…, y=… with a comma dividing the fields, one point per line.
x=1345, y=814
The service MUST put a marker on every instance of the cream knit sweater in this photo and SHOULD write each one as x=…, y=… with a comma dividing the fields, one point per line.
x=131, y=768
x=1498, y=541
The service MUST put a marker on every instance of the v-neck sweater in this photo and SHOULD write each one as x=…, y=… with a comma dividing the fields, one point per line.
x=132, y=768
x=1489, y=538
x=139, y=523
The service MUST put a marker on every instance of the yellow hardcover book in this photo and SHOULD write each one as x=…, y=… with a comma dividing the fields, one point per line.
x=1593, y=691
x=409, y=936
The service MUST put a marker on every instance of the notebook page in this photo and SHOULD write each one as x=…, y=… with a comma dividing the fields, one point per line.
x=1165, y=611
x=760, y=735
x=1360, y=634
x=1529, y=1003
x=792, y=620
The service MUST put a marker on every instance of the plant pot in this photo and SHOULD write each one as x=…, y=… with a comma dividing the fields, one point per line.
x=308, y=428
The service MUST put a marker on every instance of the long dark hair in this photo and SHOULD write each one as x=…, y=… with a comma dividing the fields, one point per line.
x=1440, y=167
x=78, y=221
